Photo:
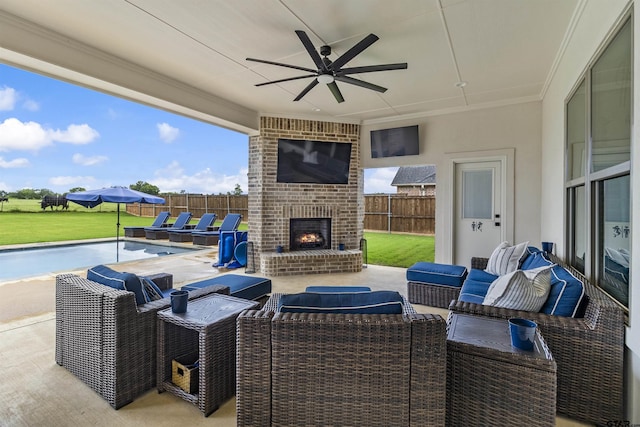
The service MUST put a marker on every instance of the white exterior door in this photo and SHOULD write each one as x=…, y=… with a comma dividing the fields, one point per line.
x=478, y=224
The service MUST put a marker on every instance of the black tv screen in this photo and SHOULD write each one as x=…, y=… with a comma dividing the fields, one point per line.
x=316, y=162
x=401, y=141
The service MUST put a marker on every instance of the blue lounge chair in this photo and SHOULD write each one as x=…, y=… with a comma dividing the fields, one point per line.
x=160, y=221
x=184, y=235
x=154, y=233
x=208, y=238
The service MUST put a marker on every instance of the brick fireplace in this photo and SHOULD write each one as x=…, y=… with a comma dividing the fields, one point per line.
x=272, y=204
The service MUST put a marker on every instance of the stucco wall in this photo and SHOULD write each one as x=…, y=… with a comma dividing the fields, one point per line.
x=515, y=126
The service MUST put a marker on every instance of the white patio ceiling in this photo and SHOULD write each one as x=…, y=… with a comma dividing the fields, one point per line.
x=192, y=53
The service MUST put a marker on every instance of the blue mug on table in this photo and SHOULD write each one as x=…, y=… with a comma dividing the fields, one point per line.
x=523, y=333
x=179, y=300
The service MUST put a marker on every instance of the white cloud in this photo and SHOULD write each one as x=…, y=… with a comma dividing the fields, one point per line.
x=75, y=134
x=173, y=178
x=31, y=136
x=8, y=98
x=88, y=161
x=167, y=132
x=15, y=163
x=379, y=180
x=72, y=181
x=31, y=105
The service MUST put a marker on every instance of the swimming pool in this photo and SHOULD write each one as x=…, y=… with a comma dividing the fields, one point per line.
x=33, y=261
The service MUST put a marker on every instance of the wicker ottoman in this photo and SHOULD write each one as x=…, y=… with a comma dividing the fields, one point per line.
x=434, y=284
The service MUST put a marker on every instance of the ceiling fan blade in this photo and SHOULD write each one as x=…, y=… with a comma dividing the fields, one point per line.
x=361, y=83
x=355, y=50
x=306, y=41
x=286, y=80
x=306, y=90
x=371, y=68
x=333, y=87
x=279, y=64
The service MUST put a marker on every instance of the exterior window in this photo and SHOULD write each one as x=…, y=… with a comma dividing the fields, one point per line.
x=614, y=228
x=578, y=228
x=576, y=130
x=598, y=145
x=611, y=103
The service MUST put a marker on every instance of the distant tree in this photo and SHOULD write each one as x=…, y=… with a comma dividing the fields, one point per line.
x=183, y=191
x=237, y=191
x=76, y=189
x=3, y=194
x=145, y=187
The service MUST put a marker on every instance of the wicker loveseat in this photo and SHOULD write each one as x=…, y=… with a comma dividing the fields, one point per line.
x=340, y=369
x=588, y=350
x=107, y=341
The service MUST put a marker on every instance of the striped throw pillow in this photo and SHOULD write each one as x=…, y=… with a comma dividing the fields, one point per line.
x=521, y=290
x=505, y=258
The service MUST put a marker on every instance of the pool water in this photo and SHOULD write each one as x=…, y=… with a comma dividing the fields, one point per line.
x=33, y=261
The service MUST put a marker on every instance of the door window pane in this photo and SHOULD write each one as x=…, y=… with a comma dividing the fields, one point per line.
x=477, y=194
x=615, y=229
x=576, y=128
x=611, y=103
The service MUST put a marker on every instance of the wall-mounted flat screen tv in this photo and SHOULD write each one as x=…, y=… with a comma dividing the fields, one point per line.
x=316, y=162
x=393, y=142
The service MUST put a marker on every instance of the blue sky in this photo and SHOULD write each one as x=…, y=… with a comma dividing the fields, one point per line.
x=56, y=135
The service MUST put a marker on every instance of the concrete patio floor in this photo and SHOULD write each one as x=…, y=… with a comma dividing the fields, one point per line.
x=36, y=391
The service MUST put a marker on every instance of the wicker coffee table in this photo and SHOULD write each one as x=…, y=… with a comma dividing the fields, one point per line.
x=491, y=383
x=208, y=330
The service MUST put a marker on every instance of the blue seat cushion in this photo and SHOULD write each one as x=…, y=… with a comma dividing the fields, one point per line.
x=474, y=291
x=337, y=289
x=438, y=274
x=246, y=287
x=117, y=280
x=377, y=302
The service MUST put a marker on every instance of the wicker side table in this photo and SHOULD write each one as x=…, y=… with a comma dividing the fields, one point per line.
x=491, y=383
x=207, y=329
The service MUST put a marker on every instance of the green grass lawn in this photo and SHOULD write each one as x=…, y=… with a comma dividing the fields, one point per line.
x=399, y=250
x=25, y=222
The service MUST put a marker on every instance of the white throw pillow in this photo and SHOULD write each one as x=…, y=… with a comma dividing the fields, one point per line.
x=505, y=258
x=521, y=289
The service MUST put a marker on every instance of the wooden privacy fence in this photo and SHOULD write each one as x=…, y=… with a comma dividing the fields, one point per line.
x=197, y=204
x=384, y=212
x=400, y=213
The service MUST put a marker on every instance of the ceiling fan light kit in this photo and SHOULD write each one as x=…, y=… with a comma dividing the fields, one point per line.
x=328, y=72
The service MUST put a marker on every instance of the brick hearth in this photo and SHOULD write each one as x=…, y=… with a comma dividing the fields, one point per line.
x=272, y=204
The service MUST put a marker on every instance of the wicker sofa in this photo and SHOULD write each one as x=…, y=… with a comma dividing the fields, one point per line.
x=340, y=369
x=107, y=341
x=588, y=351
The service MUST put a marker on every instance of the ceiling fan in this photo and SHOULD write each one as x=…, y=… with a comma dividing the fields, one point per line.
x=329, y=71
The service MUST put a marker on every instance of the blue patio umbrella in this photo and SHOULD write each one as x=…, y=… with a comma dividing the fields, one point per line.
x=92, y=198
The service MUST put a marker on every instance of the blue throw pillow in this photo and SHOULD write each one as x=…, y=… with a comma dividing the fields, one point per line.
x=123, y=281
x=377, y=302
x=566, y=295
x=152, y=290
x=535, y=260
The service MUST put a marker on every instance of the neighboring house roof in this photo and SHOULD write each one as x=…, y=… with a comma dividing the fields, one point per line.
x=415, y=175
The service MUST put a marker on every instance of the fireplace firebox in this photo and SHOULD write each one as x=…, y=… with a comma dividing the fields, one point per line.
x=309, y=234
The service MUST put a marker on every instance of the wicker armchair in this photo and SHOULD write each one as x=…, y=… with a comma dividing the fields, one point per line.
x=107, y=341
x=340, y=369
x=588, y=351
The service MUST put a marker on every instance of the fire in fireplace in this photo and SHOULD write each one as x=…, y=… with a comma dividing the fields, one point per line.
x=309, y=233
